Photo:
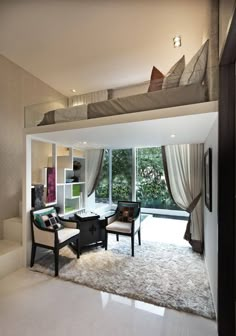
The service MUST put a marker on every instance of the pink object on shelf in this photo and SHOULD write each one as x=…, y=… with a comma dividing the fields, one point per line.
x=51, y=185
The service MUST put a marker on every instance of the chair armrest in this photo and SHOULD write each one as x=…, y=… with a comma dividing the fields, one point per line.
x=68, y=223
x=45, y=236
x=111, y=218
x=136, y=222
x=138, y=217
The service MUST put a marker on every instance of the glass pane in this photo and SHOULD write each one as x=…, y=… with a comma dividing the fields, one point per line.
x=151, y=188
x=102, y=190
x=121, y=175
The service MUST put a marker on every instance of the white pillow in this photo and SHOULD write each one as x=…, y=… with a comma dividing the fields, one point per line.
x=195, y=70
x=173, y=76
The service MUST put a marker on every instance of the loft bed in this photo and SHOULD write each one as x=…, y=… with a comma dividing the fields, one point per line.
x=150, y=105
x=185, y=95
x=182, y=86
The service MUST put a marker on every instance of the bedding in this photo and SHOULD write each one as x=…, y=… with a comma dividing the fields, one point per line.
x=195, y=70
x=183, y=95
x=74, y=113
x=189, y=94
x=156, y=80
x=182, y=85
x=172, y=78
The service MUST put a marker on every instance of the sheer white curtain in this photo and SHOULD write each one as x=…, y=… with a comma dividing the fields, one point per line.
x=184, y=174
x=87, y=98
x=94, y=166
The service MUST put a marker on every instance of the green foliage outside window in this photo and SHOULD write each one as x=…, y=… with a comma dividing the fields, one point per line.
x=151, y=188
x=102, y=190
x=121, y=175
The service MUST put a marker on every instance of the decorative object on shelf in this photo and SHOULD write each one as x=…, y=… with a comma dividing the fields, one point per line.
x=70, y=180
x=76, y=166
x=208, y=178
x=75, y=178
x=76, y=190
x=51, y=185
x=37, y=196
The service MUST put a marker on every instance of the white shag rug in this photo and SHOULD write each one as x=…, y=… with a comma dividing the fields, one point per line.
x=161, y=274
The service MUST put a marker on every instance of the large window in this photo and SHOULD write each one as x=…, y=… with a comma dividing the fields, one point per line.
x=118, y=176
x=151, y=188
x=102, y=190
x=121, y=175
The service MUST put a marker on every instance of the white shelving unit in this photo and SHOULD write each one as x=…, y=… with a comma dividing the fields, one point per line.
x=45, y=158
x=70, y=183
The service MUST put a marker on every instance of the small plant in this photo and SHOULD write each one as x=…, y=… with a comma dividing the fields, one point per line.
x=76, y=167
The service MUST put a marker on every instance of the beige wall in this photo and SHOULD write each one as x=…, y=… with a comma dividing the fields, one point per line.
x=18, y=88
x=41, y=151
x=211, y=218
x=130, y=90
x=226, y=12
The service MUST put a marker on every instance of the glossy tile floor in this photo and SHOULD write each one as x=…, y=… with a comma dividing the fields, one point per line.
x=33, y=304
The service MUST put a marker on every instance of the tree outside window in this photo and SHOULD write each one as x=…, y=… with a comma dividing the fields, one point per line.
x=151, y=188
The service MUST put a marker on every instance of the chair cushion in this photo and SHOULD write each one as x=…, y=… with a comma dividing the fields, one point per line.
x=118, y=226
x=134, y=205
x=126, y=214
x=47, y=218
x=66, y=233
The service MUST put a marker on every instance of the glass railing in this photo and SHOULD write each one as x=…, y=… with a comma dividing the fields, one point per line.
x=34, y=114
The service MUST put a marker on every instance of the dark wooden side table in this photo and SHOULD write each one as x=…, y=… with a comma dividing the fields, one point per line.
x=92, y=230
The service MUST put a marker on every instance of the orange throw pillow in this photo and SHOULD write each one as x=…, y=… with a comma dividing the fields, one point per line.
x=156, y=80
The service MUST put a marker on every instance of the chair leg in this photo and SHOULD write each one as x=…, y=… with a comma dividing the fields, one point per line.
x=132, y=245
x=56, y=256
x=33, y=251
x=106, y=234
x=117, y=237
x=139, y=237
x=78, y=247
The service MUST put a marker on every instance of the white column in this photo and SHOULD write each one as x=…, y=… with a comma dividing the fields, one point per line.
x=26, y=199
x=110, y=177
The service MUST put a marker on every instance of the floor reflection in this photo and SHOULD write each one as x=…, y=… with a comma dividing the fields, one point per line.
x=108, y=298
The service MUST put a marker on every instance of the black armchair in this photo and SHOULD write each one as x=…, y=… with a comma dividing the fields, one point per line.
x=52, y=232
x=125, y=221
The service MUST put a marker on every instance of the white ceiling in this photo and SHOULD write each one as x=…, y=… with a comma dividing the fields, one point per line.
x=99, y=44
x=187, y=129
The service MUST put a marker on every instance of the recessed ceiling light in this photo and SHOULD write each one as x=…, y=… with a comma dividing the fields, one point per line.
x=173, y=136
x=73, y=90
x=177, y=41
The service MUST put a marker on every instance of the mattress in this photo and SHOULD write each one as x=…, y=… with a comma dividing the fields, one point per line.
x=74, y=113
x=182, y=95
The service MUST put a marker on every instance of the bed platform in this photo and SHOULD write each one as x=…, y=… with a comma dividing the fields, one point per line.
x=128, y=118
x=159, y=101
